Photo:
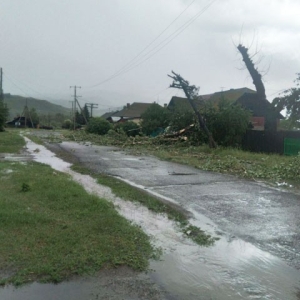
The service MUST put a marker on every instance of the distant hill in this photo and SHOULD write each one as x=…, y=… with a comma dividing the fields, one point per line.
x=16, y=105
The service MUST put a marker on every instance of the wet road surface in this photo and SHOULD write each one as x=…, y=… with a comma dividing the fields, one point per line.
x=255, y=258
x=264, y=216
x=259, y=252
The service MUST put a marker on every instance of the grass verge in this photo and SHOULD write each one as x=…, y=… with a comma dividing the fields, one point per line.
x=11, y=141
x=51, y=229
x=130, y=193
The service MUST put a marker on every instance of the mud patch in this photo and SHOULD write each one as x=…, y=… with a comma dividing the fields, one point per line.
x=113, y=284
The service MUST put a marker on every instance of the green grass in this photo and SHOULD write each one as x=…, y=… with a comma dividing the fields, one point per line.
x=130, y=193
x=51, y=229
x=11, y=141
x=268, y=167
x=127, y=192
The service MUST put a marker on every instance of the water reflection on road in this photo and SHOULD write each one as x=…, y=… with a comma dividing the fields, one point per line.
x=231, y=269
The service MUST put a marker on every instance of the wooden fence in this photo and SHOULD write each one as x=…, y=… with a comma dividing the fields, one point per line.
x=267, y=142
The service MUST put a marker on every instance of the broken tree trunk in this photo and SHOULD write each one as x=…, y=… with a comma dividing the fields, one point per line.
x=190, y=92
x=256, y=77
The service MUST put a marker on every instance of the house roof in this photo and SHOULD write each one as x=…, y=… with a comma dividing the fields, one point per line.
x=245, y=97
x=183, y=103
x=135, y=110
x=108, y=114
x=232, y=95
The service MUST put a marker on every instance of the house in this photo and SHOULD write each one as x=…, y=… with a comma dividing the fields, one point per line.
x=109, y=116
x=264, y=115
x=132, y=112
x=21, y=122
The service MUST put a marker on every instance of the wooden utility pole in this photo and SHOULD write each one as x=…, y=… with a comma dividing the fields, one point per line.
x=74, y=105
x=191, y=92
x=25, y=114
x=92, y=105
x=1, y=85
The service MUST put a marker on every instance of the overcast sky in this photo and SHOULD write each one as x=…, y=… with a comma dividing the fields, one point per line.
x=49, y=45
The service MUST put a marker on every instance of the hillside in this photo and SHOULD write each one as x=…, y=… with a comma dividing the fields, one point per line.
x=16, y=106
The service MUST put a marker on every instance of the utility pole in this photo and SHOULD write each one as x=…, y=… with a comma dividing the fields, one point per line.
x=74, y=105
x=72, y=102
x=1, y=85
x=92, y=105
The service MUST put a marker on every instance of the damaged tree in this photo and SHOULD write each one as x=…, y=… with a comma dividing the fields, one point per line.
x=191, y=91
x=256, y=76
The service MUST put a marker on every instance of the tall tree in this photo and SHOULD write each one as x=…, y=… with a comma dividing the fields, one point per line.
x=256, y=76
x=191, y=92
x=86, y=112
x=291, y=102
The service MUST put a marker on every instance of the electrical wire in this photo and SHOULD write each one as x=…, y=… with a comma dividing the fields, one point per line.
x=169, y=39
x=155, y=39
x=165, y=42
x=12, y=81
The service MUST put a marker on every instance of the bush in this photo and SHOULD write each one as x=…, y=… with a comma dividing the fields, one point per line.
x=67, y=124
x=98, y=126
x=181, y=119
x=155, y=117
x=227, y=122
x=129, y=127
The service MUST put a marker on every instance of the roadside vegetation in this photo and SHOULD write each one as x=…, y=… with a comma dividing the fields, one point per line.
x=51, y=229
x=11, y=141
x=272, y=168
x=129, y=193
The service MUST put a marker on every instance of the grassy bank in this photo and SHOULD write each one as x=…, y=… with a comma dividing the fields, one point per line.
x=51, y=229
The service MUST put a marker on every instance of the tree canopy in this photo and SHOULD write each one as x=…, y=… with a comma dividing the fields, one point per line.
x=290, y=100
x=154, y=117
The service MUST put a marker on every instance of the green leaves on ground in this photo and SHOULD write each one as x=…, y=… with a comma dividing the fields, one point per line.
x=269, y=167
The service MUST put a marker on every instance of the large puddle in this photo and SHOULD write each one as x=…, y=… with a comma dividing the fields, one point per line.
x=231, y=269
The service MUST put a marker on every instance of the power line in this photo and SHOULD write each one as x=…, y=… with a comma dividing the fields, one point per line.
x=12, y=81
x=171, y=37
x=124, y=67
x=92, y=106
x=16, y=85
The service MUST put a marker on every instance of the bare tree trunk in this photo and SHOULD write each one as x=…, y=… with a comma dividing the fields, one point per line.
x=256, y=77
